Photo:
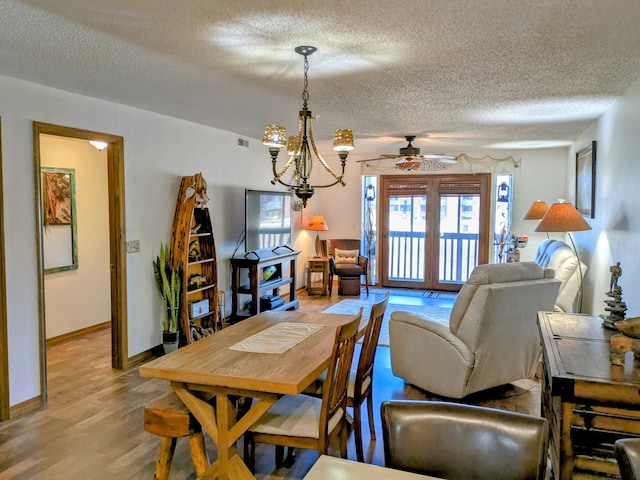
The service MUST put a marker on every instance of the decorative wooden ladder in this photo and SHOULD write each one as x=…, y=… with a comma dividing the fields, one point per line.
x=194, y=255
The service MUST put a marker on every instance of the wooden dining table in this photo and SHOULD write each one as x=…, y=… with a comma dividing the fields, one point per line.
x=214, y=365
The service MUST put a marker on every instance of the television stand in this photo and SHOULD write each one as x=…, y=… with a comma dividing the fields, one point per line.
x=255, y=263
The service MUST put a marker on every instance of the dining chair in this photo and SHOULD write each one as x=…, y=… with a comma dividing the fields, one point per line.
x=627, y=452
x=304, y=421
x=360, y=386
x=452, y=440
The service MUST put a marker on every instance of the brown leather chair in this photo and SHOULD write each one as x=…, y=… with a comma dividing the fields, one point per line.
x=628, y=456
x=348, y=265
x=455, y=441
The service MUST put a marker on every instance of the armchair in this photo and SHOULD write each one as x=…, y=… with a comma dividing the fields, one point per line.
x=346, y=262
x=452, y=440
x=492, y=337
x=559, y=257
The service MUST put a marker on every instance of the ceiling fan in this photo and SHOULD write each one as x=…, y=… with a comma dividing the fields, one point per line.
x=410, y=158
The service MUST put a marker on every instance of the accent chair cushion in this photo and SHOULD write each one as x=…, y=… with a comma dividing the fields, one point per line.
x=346, y=256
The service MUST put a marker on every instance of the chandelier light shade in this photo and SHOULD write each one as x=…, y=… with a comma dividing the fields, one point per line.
x=318, y=224
x=536, y=210
x=274, y=136
x=301, y=148
x=564, y=217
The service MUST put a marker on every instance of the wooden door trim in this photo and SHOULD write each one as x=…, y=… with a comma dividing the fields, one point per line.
x=4, y=342
x=117, y=241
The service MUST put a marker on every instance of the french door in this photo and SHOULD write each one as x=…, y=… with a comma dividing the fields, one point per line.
x=435, y=229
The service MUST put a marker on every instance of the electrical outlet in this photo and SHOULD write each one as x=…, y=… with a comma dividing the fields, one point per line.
x=133, y=246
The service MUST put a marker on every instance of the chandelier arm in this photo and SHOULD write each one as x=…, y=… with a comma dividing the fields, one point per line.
x=278, y=175
x=323, y=161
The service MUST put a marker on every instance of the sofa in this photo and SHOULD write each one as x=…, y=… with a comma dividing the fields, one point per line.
x=491, y=337
x=560, y=257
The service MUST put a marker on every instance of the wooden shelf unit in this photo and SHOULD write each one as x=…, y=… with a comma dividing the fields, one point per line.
x=254, y=263
x=194, y=255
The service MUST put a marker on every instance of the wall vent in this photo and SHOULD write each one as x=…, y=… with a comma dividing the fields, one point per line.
x=243, y=142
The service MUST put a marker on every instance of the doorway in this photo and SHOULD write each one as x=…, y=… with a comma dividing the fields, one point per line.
x=435, y=229
x=117, y=247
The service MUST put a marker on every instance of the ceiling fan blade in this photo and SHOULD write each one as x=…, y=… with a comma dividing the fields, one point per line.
x=381, y=157
x=440, y=157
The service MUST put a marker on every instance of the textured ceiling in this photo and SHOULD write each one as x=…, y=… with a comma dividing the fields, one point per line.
x=458, y=74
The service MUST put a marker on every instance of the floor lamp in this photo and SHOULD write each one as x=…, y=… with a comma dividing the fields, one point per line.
x=564, y=217
x=536, y=211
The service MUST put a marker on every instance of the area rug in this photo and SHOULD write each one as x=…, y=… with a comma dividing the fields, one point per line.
x=351, y=306
x=403, y=292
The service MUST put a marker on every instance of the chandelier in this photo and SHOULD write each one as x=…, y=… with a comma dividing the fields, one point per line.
x=301, y=146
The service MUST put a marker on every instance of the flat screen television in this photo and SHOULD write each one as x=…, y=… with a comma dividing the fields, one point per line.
x=267, y=219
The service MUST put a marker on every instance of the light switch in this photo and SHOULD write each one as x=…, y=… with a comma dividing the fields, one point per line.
x=133, y=246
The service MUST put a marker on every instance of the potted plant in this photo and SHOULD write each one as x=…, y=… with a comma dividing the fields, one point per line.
x=168, y=283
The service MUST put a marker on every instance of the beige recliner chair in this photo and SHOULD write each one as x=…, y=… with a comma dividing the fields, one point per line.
x=559, y=257
x=492, y=337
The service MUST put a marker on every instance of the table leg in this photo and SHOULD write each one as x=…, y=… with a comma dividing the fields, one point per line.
x=224, y=428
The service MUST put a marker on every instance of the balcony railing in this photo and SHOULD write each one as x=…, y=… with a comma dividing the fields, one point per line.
x=458, y=256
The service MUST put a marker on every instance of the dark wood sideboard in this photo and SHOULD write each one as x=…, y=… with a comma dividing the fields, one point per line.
x=588, y=402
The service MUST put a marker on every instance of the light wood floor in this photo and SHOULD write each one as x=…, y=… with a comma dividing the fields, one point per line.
x=91, y=427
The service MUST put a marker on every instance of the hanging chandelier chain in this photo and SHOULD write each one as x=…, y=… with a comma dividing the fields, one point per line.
x=305, y=92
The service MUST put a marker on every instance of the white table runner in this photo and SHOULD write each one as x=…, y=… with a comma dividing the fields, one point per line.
x=278, y=338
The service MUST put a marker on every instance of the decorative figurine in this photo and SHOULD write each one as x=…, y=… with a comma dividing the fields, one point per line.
x=616, y=273
x=615, y=306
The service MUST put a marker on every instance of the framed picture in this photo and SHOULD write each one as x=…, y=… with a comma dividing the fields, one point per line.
x=60, y=235
x=586, y=180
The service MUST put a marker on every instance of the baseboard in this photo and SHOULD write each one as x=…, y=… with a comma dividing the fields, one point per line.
x=65, y=337
x=143, y=357
x=25, y=407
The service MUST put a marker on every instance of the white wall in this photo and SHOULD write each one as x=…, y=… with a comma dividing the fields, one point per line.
x=616, y=227
x=75, y=299
x=158, y=151
x=537, y=175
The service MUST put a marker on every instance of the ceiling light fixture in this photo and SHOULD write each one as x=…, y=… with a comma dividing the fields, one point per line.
x=98, y=144
x=302, y=145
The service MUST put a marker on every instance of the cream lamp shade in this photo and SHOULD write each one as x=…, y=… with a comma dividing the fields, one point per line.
x=318, y=224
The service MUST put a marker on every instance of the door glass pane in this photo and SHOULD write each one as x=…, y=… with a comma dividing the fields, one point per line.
x=502, y=238
x=406, y=245
x=369, y=225
x=459, y=237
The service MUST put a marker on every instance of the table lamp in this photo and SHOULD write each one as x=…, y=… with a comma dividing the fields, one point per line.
x=317, y=224
x=564, y=217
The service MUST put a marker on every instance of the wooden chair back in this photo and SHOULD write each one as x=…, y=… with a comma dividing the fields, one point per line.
x=369, y=343
x=334, y=389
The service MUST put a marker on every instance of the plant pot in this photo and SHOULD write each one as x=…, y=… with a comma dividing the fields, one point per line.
x=169, y=341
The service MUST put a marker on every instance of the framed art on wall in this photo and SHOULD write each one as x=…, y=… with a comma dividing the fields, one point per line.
x=60, y=234
x=586, y=180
